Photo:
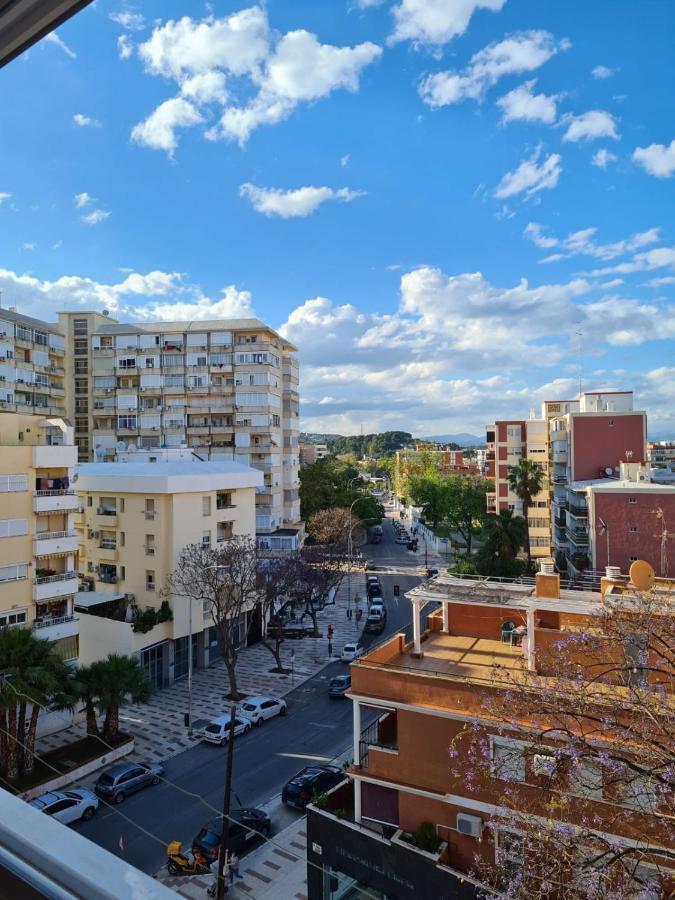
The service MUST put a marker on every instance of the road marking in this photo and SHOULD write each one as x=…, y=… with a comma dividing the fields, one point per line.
x=322, y=725
x=305, y=756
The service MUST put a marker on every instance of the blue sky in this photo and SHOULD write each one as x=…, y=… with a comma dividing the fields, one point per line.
x=430, y=197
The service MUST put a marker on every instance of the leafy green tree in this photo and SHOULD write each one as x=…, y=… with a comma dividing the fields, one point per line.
x=372, y=445
x=526, y=479
x=34, y=677
x=331, y=484
x=121, y=681
x=430, y=492
x=502, y=538
x=466, y=504
x=86, y=685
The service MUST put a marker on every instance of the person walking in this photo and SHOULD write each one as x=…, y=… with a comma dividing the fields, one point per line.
x=234, y=867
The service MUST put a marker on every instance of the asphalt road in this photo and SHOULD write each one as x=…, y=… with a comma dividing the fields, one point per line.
x=316, y=729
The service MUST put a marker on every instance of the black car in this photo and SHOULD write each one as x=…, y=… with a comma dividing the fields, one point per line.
x=374, y=589
x=249, y=823
x=313, y=780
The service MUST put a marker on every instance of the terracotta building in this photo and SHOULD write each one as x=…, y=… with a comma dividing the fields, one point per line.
x=412, y=704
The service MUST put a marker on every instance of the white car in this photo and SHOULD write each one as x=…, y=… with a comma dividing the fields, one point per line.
x=67, y=806
x=350, y=652
x=257, y=709
x=377, y=603
x=217, y=731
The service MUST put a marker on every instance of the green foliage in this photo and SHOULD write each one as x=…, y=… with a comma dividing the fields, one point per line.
x=331, y=484
x=373, y=445
x=502, y=538
x=526, y=480
x=119, y=681
x=463, y=566
x=145, y=621
x=425, y=838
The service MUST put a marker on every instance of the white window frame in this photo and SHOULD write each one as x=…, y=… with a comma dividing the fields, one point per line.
x=498, y=742
x=11, y=484
x=13, y=527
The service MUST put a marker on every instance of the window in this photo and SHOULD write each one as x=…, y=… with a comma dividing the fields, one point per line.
x=632, y=529
x=13, y=527
x=13, y=573
x=90, y=500
x=80, y=326
x=122, y=539
x=12, y=619
x=10, y=484
x=610, y=422
x=206, y=539
x=632, y=499
x=224, y=501
x=122, y=504
x=81, y=348
x=127, y=362
x=206, y=506
x=508, y=762
x=149, y=362
x=128, y=422
x=149, y=545
x=149, y=581
x=149, y=509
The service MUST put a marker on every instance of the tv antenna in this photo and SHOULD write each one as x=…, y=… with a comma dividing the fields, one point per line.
x=579, y=335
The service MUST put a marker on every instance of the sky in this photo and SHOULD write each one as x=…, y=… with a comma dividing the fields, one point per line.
x=454, y=208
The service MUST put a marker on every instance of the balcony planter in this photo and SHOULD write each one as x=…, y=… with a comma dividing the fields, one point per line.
x=424, y=836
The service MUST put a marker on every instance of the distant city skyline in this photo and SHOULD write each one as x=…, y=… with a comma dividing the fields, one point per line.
x=453, y=211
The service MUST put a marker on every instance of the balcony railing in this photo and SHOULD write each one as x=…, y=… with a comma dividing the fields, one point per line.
x=105, y=578
x=579, y=536
x=56, y=620
x=51, y=579
x=62, y=493
x=51, y=535
x=108, y=545
x=372, y=737
x=104, y=511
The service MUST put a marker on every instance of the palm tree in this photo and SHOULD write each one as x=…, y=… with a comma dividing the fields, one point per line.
x=34, y=678
x=87, y=684
x=526, y=480
x=121, y=681
x=505, y=534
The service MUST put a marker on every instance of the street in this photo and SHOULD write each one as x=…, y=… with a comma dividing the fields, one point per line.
x=316, y=729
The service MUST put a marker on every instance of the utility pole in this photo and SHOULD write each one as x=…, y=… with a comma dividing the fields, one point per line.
x=221, y=887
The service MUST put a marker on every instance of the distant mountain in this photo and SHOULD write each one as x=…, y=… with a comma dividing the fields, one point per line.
x=310, y=437
x=464, y=439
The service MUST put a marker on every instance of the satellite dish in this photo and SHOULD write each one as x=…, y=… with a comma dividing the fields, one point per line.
x=642, y=575
x=74, y=478
x=617, y=469
x=120, y=445
x=609, y=470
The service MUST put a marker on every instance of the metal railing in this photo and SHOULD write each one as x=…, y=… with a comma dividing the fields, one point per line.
x=63, y=493
x=370, y=737
x=57, y=620
x=51, y=535
x=51, y=579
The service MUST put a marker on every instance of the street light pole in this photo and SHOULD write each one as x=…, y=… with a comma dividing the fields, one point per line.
x=189, y=667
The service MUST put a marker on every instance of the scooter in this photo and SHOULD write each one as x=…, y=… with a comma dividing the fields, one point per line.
x=179, y=863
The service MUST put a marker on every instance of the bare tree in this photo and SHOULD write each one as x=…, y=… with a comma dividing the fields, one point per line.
x=318, y=570
x=276, y=577
x=586, y=760
x=331, y=527
x=225, y=577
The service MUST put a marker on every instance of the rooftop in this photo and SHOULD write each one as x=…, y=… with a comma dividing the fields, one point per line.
x=197, y=326
x=461, y=655
x=184, y=476
x=11, y=315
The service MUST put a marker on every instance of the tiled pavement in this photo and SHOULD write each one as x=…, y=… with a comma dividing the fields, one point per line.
x=158, y=725
x=277, y=870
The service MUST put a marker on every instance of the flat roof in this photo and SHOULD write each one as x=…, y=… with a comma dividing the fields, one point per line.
x=12, y=315
x=617, y=484
x=184, y=476
x=89, y=599
x=195, y=326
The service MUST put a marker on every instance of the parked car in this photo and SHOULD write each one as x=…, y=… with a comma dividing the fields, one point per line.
x=257, y=709
x=376, y=603
x=338, y=686
x=247, y=826
x=125, y=778
x=402, y=539
x=351, y=651
x=67, y=806
x=309, y=782
x=217, y=731
x=374, y=590
x=375, y=624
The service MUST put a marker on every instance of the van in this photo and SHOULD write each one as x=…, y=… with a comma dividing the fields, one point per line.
x=378, y=530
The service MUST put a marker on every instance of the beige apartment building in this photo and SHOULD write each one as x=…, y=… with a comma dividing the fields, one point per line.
x=225, y=388
x=38, y=541
x=32, y=365
x=138, y=513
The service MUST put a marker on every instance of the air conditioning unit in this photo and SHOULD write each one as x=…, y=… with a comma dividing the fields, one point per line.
x=471, y=826
x=544, y=764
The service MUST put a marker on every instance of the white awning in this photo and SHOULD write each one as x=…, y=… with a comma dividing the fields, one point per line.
x=87, y=599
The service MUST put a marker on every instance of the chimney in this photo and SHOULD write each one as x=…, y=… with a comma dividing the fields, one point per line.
x=547, y=581
x=612, y=577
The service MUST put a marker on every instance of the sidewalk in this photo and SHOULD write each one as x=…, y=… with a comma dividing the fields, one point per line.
x=158, y=726
x=277, y=870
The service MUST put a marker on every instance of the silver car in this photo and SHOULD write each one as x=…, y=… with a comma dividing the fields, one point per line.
x=126, y=778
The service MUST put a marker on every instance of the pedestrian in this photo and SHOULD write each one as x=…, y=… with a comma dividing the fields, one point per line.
x=330, y=647
x=347, y=611
x=234, y=867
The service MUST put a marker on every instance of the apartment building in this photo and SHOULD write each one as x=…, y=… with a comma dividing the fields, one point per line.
x=32, y=366
x=419, y=707
x=138, y=513
x=311, y=453
x=446, y=462
x=587, y=446
x=661, y=454
x=507, y=443
x=38, y=541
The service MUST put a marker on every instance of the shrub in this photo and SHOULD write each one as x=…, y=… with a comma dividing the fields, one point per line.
x=425, y=838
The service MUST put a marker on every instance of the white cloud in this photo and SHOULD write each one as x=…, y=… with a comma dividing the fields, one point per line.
x=158, y=131
x=368, y=4
x=296, y=203
x=82, y=200
x=596, y=123
x=53, y=38
x=129, y=20
x=602, y=158
x=520, y=52
x=602, y=72
x=436, y=21
x=28, y=245
x=534, y=232
x=657, y=258
x=531, y=176
x=344, y=160
x=214, y=59
x=125, y=47
x=664, y=281
x=232, y=304
x=521, y=103
x=657, y=159
x=95, y=216
x=4, y=196
x=85, y=121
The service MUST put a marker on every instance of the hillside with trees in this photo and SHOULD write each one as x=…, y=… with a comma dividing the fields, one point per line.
x=371, y=445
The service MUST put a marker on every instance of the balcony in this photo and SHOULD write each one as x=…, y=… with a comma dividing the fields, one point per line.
x=53, y=586
x=559, y=456
x=49, y=543
x=54, y=501
x=382, y=734
x=558, y=478
x=491, y=502
x=578, y=511
x=53, y=628
x=578, y=536
x=107, y=552
x=55, y=456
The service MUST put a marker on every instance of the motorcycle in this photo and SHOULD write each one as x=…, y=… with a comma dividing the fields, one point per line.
x=179, y=863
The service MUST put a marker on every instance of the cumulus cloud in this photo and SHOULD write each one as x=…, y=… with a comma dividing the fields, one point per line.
x=602, y=158
x=522, y=104
x=535, y=233
x=129, y=20
x=218, y=60
x=531, y=176
x=125, y=47
x=438, y=21
x=82, y=200
x=589, y=126
x=158, y=131
x=657, y=159
x=4, y=195
x=520, y=52
x=583, y=242
x=231, y=304
x=85, y=121
x=296, y=203
x=602, y=72
x=95, y=217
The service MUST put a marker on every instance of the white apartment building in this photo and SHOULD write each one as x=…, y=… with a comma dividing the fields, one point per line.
x=32, y=373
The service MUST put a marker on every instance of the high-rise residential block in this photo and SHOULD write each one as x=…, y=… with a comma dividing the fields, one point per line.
x=38, y=540
x=138, y=513
x=32, y=366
